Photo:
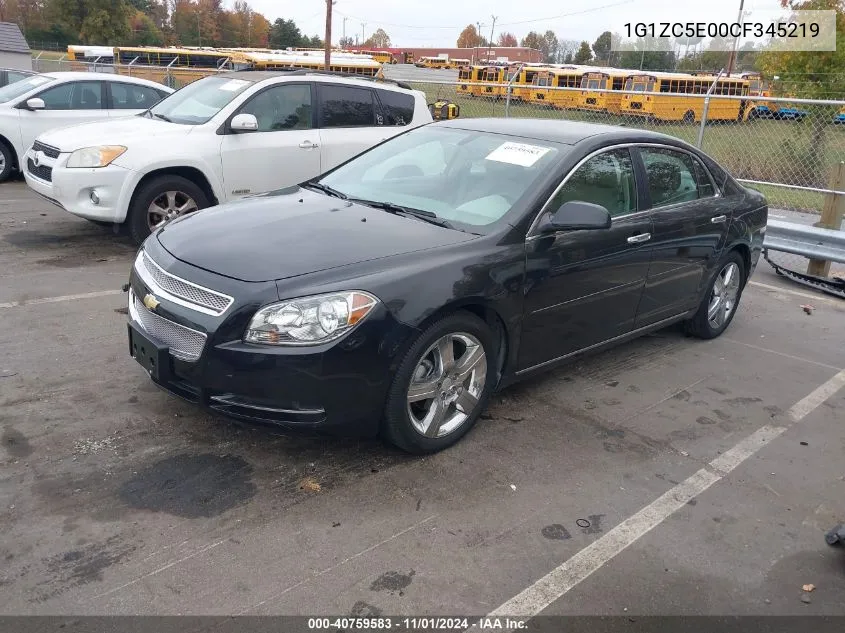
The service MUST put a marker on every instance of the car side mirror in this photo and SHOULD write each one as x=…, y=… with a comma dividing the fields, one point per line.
x=244, y=123
x=35, y=103
x=577, y=216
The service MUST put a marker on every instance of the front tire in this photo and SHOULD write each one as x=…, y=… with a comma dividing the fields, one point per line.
x=721, y=300
x=160, y=200
x=442, y=385
x=7, y=162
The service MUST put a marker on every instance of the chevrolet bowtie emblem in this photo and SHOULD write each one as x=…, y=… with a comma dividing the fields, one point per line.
x=151, y=302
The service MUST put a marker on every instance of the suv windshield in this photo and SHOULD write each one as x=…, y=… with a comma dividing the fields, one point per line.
x=467, y=177
x=15, y=90
x=200, y=100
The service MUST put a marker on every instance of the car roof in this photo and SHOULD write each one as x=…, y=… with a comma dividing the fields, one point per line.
x=93, y=76
x=566, y=132
x=315, y=75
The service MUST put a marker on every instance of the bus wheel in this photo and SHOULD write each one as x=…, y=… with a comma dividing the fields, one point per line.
x=753, y=114
x=689, y=117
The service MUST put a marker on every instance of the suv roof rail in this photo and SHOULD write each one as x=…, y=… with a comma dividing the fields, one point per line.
x=335, y=73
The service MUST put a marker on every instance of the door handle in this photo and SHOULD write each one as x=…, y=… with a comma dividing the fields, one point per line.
x=308, y=145
x=718, y=219
x=639, y=238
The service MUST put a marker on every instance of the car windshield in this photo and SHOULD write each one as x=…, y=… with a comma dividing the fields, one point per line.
x=200, y=100
x=467, y=177
x=15, y=90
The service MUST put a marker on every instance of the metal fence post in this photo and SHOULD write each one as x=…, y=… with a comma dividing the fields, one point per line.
x=707, y=108
x=831, y=218
x=508, y=89
x=35, y=62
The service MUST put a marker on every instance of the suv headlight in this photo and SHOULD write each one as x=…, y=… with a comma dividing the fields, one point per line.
x=99, y=156
x=310, y=320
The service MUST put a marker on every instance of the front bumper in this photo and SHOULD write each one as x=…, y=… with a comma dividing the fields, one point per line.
x=71, y=189
x=340, y=386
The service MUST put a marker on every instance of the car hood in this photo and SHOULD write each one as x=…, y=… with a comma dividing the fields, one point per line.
x=119, y=131
x=294, y=232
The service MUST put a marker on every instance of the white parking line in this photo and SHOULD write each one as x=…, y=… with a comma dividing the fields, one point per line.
x=537, y=597
x=86, y=295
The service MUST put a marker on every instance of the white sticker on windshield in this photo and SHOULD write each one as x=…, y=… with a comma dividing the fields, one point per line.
x=233, y=85
x=518, y=154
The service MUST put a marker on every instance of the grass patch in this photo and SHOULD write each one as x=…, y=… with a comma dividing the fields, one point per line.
x=49, y=55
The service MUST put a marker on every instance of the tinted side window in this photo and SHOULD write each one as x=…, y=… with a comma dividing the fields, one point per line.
x=398, y=107
x=75, y=95
x=346, y=106
x=131, y=97
x=284, y=107
x=705, y=184
x=671, y=178
x=606, y=179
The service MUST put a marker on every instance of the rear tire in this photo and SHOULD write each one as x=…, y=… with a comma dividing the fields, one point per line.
x=433, y=403
x=721, y=300
x=138, y=221
x=7, y=162
x=689, y=117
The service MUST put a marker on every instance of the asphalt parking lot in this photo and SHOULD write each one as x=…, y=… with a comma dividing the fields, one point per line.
x=668, y=476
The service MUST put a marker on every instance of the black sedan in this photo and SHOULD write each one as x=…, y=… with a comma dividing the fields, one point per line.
x=395, y=293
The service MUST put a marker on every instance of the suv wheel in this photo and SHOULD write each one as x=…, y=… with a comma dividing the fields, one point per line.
x=161, y=200
x=7, y=162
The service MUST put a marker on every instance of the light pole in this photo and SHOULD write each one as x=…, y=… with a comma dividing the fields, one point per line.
x=732, y=58
x=328, y=43
x=363, y=35
x=490, y=43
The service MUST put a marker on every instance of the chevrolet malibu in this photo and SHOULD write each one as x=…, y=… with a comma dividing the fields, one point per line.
x=396, y=292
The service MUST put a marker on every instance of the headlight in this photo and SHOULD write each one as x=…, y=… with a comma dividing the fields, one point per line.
x=95, y=156
x=309, y=320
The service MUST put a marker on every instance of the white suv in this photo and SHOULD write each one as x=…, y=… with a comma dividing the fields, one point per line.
x=218, y=139
x=39, y=103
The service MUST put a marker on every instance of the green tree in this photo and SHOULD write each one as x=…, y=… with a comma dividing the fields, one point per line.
x=93, y=21
x=584, y=54
x=533, y=40
x=550, y=47
x=284, y=34
x=144, y=31
x=601, y=47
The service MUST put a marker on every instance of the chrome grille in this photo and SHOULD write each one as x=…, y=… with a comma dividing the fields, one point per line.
x=47, y=150
x=184, y=343
x=179, y=290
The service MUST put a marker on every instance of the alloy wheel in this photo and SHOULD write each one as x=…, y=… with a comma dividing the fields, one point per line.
x=167, y=206
x=723, y=296
x=447, y=384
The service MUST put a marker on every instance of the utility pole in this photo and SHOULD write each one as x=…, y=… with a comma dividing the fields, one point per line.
x=363, y=34
x=732, y=58
x=328, y=43
x=490, y=43
x=476, y=60
x=344, y=28
x=199, y=34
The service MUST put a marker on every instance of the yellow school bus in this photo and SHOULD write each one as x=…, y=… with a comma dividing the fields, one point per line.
x=83, y=57
x=382, y=57
x=432, y=62
x=523, y=84
x=608, y=81
x=681, y=97
x=545, y=82
x=307, y=60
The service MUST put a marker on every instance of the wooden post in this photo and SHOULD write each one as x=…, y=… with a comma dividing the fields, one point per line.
x=832, y=214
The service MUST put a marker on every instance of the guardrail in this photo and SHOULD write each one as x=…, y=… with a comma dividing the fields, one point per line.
x=818, y=244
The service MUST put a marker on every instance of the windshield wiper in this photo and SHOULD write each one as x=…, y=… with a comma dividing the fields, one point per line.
x=162, y=117
x=325, y=189
x=425, y=216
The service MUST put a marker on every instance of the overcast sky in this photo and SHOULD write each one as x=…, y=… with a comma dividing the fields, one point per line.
x=418, y=23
